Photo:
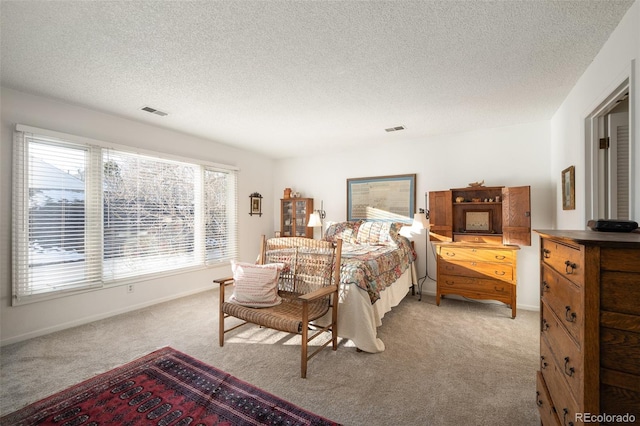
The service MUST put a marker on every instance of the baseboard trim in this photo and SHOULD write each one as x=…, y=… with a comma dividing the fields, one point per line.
x=90, y=319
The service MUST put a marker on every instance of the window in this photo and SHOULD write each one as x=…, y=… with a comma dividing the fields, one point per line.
x=88, y=215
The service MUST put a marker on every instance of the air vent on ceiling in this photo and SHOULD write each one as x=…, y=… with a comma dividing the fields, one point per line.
x=394, y=129
x=154, y=111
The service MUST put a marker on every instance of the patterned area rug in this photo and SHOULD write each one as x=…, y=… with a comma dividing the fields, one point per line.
x=165, y=387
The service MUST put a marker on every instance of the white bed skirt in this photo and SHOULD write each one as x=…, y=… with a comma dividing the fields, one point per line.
x=358, y=319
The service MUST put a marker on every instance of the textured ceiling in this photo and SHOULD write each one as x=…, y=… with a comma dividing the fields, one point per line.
x=285, y=77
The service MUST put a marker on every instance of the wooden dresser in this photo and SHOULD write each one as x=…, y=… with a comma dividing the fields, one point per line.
x=589, y=327
x=477, y=271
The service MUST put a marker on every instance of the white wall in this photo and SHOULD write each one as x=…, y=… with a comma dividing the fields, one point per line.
x=609, y=69
x=21, y=322
x=507, y=156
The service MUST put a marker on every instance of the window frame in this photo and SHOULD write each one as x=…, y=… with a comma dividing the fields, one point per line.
x=94, y=218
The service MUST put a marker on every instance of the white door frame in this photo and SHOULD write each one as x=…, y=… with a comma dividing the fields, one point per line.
x=594, y=130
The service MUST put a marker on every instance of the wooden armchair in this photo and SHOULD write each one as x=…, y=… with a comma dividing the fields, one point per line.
x=308, y=279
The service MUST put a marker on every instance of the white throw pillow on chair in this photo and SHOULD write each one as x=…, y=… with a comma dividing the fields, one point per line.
x=256, y=286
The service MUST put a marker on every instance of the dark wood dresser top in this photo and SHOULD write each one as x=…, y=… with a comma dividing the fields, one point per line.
x=619, y=239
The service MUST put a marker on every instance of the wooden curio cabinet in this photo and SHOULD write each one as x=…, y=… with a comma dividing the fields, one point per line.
x=477, y=232
x=294, y=217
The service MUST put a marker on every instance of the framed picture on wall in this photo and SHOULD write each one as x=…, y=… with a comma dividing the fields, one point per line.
x=569, y=188
x=382, y=198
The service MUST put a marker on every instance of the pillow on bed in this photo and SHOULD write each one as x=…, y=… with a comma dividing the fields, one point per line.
x=256, y=286
x=377, y=233
x=345, y=231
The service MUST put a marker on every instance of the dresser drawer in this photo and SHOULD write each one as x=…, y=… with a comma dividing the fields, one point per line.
x=566, y=301
x=547, y=412
x=471, y=238
x=477, y=254
x=566, y=354
x=499, y=271
x=563, y=399
x=474, y=287
x=567, y=260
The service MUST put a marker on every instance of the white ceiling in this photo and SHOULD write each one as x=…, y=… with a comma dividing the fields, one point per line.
x=285, y=77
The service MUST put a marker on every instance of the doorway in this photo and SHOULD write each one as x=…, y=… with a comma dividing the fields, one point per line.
x=608, y=166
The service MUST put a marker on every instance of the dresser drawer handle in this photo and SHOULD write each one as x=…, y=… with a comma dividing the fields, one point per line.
x=539, y=401
x=447, y=282
x=500, y=290
x=570, y=267
x=543, y=363
x=570, y=318
x=564, y=418
x=499, y=273
x=500, y=257
x=449, y=253
x=546, y=253
x=544, y=326
x=474, y=264
x=545, y=286
x=568, y=371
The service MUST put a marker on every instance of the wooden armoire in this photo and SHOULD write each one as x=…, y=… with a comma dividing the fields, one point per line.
x=477, y=232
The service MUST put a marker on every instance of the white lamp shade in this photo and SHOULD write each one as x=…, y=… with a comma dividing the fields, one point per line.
x=420, y=221
x=314, y=220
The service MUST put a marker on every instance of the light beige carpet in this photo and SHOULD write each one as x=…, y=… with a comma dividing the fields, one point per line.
x=463, y=363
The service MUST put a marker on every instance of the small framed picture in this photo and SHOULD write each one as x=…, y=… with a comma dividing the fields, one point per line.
x=477, y=221
x=256, y=204
x=569, y=188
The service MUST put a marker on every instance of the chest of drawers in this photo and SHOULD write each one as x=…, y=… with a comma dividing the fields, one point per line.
x=589, y=327
x=477, y=271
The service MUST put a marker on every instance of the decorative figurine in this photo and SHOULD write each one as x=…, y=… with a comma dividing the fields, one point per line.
x=476, y=184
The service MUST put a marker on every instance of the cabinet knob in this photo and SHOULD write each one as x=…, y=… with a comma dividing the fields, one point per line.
x=568, y=371
x=568, y=315
x=543, y=363
x=544, y=326
x=564, y=417
x=570, y=267
x=545, y=287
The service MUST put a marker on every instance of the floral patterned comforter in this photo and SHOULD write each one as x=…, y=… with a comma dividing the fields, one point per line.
x=375, y=267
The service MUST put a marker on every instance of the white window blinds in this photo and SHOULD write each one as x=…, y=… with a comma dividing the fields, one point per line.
x=88, y=216
x=56, y=246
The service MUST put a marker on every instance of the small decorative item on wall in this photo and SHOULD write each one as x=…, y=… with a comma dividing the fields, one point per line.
x=256, y=204
x=569, y=188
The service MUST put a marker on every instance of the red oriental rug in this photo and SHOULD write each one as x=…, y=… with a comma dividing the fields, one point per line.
x=165, y=387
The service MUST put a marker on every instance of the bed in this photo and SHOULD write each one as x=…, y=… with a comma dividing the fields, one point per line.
x=377, y=272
